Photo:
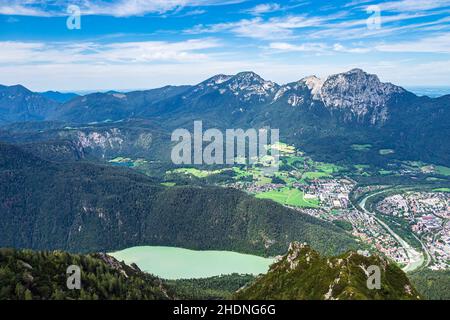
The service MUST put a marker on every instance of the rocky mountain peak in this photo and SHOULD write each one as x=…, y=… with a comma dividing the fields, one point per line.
x=313, y=276
x=296, y=93
x=360, y=93
x=245, y=85
x=314, y=84
x=248, y=76
x=217, y=79
x=250, y=81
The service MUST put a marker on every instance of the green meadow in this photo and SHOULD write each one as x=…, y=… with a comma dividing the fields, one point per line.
x=361, y=147
x=168, y=184
x=127, y=162
x=196, y=172
x=385, y=152
x=442, y=190
x=315, y=175
x=290, y=197
x=445, y=171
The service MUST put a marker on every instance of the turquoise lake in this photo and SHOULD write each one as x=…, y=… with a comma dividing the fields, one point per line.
x=179, y=263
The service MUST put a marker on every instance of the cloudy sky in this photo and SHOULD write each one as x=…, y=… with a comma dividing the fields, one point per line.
x=136, y=44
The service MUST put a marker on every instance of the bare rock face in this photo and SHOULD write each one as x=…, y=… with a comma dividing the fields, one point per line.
x=363, y=96
x=356, y=95
x=246, y=86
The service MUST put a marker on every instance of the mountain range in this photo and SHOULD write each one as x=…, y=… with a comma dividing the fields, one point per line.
x=57, y=96
x=52, y=197
x=324, y=117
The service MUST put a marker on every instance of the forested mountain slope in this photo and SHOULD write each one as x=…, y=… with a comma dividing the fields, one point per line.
x=81, y=207
x=31, y=275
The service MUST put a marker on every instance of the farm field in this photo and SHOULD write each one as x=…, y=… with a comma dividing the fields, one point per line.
x=290, y=197
x=445, y=171
x=196, y=172
x=442, y=190
x=311, y=175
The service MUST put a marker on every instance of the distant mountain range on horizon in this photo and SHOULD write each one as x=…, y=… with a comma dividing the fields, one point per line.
x=429, y=91
x=344, y=109
x=432, y=91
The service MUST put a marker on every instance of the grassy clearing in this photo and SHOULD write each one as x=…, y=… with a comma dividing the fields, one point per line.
x=291, y=160
x=196, y=172
x=442, y=190
x=445, y=171
x=361, y=147
x=120, y=159
x=285, y=177
x=128, y=162
x=168, y=184
x=385, y=152
x=282, y=148
x=315, y=175
x=329, y=168
x=434, y=179
x=289, y=196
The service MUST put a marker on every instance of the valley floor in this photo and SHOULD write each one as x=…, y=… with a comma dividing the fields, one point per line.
x=362, y=199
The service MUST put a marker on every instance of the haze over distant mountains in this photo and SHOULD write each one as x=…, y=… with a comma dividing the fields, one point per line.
x=333, y=113
x=430, y=91
x=59, y=96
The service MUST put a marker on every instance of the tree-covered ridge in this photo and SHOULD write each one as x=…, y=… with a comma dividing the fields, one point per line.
x=433, y=285
x=212, y=288
x=303, y=274
x=28, y=275
x=82, y=207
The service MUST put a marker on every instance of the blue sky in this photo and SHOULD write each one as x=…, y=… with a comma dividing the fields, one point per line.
x=136, y=44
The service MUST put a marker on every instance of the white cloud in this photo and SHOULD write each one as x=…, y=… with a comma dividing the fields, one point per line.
x=259, y=28
x=193, y=13
x=433, y=44
x=16, y=8
x=413, y=5
x=306, y=47
x=107, y=76
x=264, y=8
x=357, y=29
x=119, y=8
x=341, y=48
x=94, y=53
x=316, y=47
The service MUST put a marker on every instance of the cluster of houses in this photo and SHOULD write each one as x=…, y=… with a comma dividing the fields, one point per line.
x=426, y=213
x=332, y=193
